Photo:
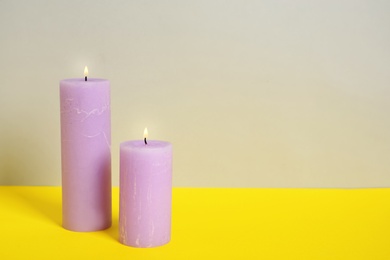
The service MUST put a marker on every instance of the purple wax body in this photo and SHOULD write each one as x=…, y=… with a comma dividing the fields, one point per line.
x=85, y=154
x=145, y=193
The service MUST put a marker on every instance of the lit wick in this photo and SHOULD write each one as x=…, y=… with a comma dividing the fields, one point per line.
x=86, y=73
x=145, y=135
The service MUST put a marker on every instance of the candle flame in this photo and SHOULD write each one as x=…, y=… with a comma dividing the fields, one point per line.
x=146, y=132
x=86, y=71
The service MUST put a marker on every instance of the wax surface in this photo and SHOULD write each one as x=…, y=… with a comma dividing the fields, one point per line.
x=86, y=154
x=145, y=193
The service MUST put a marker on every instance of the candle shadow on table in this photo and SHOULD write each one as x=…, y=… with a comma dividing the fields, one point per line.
x=112, y=232
x=46, y=202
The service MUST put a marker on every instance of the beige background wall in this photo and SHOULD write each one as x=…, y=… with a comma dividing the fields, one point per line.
x=251, y=93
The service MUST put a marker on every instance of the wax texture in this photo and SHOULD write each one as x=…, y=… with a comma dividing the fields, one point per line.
x=86, y=154
x=145, y=193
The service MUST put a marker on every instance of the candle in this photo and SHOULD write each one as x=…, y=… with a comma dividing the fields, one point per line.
x=145, y=193
x=85, y=153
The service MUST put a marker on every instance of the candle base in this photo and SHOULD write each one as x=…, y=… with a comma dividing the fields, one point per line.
x=86, y=229
x=139, y=244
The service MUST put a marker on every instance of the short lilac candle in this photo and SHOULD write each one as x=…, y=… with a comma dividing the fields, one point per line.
x=145, y=193
x=85, y=154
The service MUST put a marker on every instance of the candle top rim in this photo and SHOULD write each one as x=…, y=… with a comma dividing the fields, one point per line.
x=140, y=144
x=79, y=80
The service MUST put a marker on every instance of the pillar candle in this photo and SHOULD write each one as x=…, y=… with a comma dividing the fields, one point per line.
x=145, y=193
x=85, y=154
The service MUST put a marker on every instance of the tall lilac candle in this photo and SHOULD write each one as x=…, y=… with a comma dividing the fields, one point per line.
x=145, y=193
x=85, y=154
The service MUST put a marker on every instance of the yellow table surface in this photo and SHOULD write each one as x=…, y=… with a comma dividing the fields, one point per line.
x=210, y=223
